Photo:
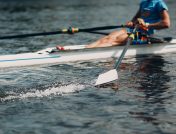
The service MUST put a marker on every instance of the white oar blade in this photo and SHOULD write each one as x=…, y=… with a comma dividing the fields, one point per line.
x=107, y=77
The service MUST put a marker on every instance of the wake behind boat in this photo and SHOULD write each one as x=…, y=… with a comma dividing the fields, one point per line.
x=78, y=53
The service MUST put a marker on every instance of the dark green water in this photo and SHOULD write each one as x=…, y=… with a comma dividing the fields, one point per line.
x=61, y=99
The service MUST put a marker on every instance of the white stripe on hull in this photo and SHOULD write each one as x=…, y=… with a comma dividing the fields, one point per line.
x=29, y=59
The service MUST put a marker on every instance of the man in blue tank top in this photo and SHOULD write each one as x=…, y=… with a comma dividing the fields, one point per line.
x=152, y=15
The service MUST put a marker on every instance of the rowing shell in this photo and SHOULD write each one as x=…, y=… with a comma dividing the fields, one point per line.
x=52, y=56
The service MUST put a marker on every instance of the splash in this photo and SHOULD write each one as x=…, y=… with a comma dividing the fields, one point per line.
x=52, y=91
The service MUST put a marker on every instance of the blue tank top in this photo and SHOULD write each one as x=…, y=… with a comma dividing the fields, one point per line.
x=150, y=11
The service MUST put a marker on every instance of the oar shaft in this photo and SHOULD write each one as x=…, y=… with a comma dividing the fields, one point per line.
x=63, y=31
x=30, y=35
x=118, y=62
x=129, y=41
x=101, y=28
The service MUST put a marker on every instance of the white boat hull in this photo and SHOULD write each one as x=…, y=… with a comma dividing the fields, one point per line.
x=43, y=57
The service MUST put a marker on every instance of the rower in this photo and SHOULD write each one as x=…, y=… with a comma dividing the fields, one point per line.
x=152, y=15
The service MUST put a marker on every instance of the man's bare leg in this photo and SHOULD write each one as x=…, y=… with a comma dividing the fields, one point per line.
x=114, y=38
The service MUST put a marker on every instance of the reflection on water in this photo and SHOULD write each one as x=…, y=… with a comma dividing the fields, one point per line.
x=152, y=81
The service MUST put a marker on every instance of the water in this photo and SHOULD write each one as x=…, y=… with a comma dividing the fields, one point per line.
x=61, y=98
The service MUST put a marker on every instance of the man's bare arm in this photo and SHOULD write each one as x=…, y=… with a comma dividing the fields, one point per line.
x=134, y=20
x=137, y=15
x=164, y=23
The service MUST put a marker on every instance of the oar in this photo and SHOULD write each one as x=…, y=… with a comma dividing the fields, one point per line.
x=62, y=31
x=112, y=74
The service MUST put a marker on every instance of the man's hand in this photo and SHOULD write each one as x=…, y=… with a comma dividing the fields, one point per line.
x=142, y=24
x=130, y=24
